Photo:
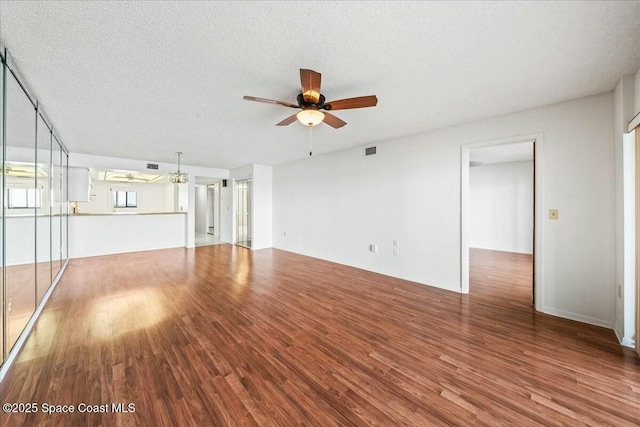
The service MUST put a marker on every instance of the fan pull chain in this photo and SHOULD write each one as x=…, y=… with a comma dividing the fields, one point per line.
x=310, y=142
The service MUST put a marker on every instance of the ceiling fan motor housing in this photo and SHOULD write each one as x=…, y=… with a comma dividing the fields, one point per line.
x=319, y=105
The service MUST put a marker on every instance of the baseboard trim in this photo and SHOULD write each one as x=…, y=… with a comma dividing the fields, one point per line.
x=625, y=341
x=628, y=342
x=30, y=324
x=578, y=317
x=453, y=288
x=79, y=256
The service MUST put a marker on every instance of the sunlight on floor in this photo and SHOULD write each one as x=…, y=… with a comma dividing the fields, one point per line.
x=126, y=312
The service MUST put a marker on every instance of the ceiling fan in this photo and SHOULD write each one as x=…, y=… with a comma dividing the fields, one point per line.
x=313, y=105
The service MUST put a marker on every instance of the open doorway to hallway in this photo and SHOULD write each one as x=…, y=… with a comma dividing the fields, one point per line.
x=500, y=221
x=207, y=215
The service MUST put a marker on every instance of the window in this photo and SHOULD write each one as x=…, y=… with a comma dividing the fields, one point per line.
x=24, y=198
x=125, y=199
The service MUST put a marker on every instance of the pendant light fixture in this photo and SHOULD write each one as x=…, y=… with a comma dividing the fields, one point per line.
x=178, y=177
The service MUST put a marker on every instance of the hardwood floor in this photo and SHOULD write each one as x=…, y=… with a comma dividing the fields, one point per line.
x=220, y=335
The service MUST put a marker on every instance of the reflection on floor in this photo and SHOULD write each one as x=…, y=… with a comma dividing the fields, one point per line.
x=206, y=239
x=245, y=243
x=24, y=294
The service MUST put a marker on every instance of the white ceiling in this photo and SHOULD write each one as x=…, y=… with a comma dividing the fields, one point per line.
x=142, y=80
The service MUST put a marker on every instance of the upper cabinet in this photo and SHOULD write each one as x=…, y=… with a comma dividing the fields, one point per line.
x=79, y=184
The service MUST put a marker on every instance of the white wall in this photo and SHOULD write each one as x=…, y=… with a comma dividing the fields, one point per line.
x=262, y=214
x=637, y=92
x=170, y=198
x=333, y=206
x=201, y=208
x=212, y=217
x=215, y=193
x=237, y=174
x=208, y=212
x=183, y=197
x=151, y=197
x=501, y=207
x=226, y=212
x=627, y=298
x=624, y=111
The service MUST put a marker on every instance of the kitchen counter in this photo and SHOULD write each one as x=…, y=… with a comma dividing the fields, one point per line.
x=92, y=234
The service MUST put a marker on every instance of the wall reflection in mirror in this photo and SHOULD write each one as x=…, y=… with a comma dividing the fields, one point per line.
x=34, y=207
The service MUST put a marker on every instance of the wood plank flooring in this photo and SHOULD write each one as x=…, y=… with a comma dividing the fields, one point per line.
x=220, y=335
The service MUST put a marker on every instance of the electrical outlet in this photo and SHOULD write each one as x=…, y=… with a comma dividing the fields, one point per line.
x=553, y=213
x=395, y=250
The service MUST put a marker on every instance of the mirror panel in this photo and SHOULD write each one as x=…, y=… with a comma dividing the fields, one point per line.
x=43, y=220
x=56, y=206
x=64, y=229
x=21, y=202
x=3, y=349
x=33, y=208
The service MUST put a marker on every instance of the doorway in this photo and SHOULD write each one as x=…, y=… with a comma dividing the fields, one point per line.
x=213, y=209
x=243, y=213
x=498, y=215
x=207, y=212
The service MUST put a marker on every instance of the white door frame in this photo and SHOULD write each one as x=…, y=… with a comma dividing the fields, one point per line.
x=538, y=203
x=629, y=336
x=213, y=208
x=236, y=208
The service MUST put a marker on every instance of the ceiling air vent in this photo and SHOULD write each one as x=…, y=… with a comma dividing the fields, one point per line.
x=153, y=166
x=370, y=151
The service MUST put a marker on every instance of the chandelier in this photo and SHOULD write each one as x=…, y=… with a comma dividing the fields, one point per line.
x=178, y=177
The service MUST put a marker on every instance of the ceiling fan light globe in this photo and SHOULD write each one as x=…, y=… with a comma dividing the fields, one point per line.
x=310, y=117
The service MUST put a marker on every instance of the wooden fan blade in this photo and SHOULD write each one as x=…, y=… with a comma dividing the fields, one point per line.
x=333, y=121
x=270, y=101
x=359, y=102
x=288, y=120
x=310, y=85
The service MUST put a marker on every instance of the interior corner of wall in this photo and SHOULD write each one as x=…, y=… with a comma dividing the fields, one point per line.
x=619, y=333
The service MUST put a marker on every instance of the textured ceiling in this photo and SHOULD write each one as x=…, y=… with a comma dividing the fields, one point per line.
x=142, y=80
